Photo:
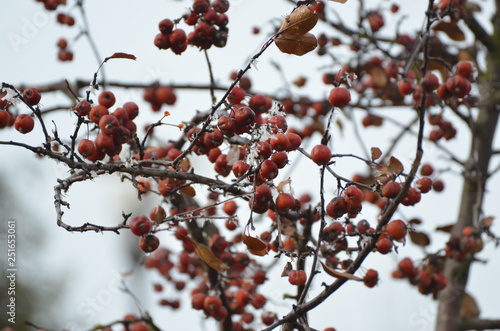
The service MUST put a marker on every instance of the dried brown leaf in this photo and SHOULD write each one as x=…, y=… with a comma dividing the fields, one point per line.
x=469, y=307
x=339, y=1
x=298, y=23
x=188, y=190
x=376, y=153
x=378, y=74
x=255, y=245
x=288, y=267
x=419, y=238
x=445, y=228
x=451, y=29
x=395, y=166
x=299, y=46
x=487, y=221
x=120, y=55
x=281, y=185
x=415, y=221
x=300, y=81
x=159, y=214
x=206, y=255
x=338, y=274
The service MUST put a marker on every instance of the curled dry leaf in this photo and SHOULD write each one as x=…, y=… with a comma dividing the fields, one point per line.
x=445, y=228
x=386, y=172
x=298, y=23
x=395, y=166
x=469, y=307
x=159, y=214
x=378, y=74
x=120, y=55
x=298, y=46
x=487, y=221
x=340, y=1
x=282, y=184
x=255, y=245
x=286, y=270
x=415, y=221
x=451, y=29
x=205, y=254
x=419, y=238
x=188, y=190
x=338, y=274
x=376, y=153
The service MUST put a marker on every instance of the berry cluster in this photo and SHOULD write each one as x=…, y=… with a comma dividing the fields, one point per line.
x=159, y=95
x=116, y=128
x=459, y=248
x=427, y=277
x=23, y=123
x=64, y=54
x=210, y=28
x=51, y=5
x=65, y=19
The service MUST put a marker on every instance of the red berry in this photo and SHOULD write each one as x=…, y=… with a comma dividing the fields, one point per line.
x=268, y=318
x=220, y=6
x=363, y=226
x=166, y=95
x=438, y=185
x=371, y=278
x=280, y=142
x=97, y=112
x=24, y=123
x=62, y=43
x=149, y=243
x=465, y=69
x=258, y=300
x=230, y=207
x=406, y=267
x=166, y=26
x=424, y=184
x=140, y=225
x=354, y=196
x=284, y=201
x=458, y=86
x=108, y=124
x=337, y=207
x=106, y=99
x=426, y=169
x=321, y=154
x=83, y=108
x=32, y=96
x=212, y=304
x=339, y=97
x=391, y=190
x=443, y=93
x=132, y=109
x=86, y=147
x=430, y=82
x=4, y=118
x=294, y=139
x=236, y=95
x=297, y=277
x=412, y=198
x=268, y=170
x=178, y=41
x=396, y=229
x=280, y=158
x=384, y=245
